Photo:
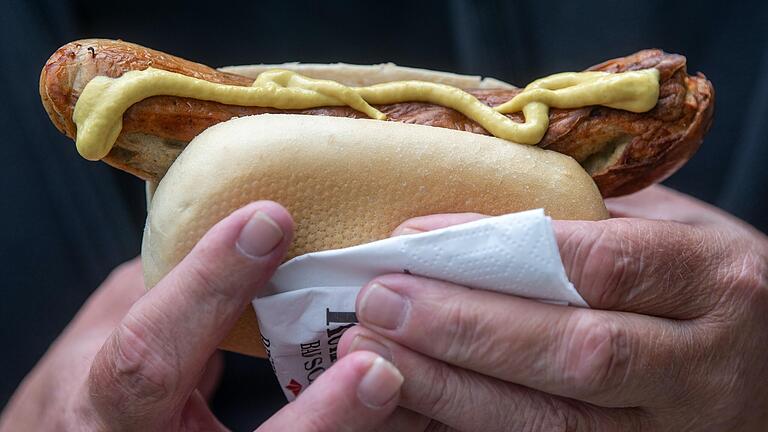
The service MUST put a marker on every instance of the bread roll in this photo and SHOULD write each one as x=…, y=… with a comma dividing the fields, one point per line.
x=365, y=75
x=349, y=181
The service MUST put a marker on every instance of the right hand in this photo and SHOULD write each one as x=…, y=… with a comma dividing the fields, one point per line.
x=140, y=366
x=675, y=339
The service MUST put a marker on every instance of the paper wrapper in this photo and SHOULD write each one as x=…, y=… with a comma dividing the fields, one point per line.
x=310, y=301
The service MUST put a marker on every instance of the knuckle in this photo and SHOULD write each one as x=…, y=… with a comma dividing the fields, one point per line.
x=210, y=280
x=441, y=396
x=750, y=275
x=636, y=253
x=201, y=273
x=575, y=416
x=612, y=262
x=468, y=332
x=631, y=258
x=436, y=426
x=572, y=416
x=460, y=329
x=551, y=414
x=571, y=420
x=742, y=284
x=596, y=357
x=135, y=371
x=319, y=423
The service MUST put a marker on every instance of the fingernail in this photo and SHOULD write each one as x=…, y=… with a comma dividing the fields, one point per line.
x=407, y=231
x=259, y=236
x=362, y=343
x=380, y=384
x=382, y=307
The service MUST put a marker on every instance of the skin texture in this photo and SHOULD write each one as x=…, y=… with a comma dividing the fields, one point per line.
x=135, y=361
x=624, y=152
x=675, y=339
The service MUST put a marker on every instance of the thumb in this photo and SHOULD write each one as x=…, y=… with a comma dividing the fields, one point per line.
x=357, y=393
x=154, y=358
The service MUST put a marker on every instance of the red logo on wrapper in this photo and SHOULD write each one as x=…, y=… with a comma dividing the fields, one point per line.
x=294, y=387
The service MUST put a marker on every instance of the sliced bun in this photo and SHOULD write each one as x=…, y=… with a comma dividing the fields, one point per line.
x=349, y=181
x=365, y=75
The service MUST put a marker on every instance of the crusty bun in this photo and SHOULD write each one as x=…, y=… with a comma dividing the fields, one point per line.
x=349, y=181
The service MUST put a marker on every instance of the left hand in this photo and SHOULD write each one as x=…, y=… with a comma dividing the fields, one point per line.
x=135, y=361
x=675, y=340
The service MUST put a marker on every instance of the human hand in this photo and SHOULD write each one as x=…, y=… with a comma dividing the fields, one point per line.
x=675, y=341
x=135, y=361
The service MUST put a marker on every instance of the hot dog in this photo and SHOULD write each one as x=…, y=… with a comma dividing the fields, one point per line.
x=348, y=182
x=623, y=151
x=351, y=173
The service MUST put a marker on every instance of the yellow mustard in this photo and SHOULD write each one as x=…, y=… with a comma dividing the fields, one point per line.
x=99, y=109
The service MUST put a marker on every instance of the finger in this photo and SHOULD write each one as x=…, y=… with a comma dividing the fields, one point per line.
x=650, y=267
x=111, y=301
x=404, y=420
x=428, y=223
x=209, y=381
x=101, y=312
x=355, y=394
x=155, y=356
x=197, y=416
x=656, y=268
x=436, y=426
x=606, y=358
x=468, y=401
x=662, y=203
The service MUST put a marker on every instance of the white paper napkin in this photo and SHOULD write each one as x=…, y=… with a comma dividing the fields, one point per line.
x=310, y=300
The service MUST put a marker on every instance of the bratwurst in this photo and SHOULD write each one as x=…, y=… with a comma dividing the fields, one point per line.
x=623, y=151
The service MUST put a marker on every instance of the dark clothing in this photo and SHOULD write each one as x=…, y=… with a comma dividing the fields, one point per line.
x=67, y=222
